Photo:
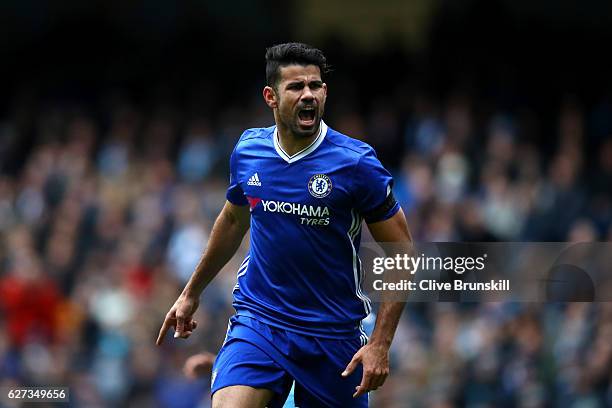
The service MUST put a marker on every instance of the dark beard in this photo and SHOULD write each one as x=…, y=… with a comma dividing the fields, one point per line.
x=298, y=131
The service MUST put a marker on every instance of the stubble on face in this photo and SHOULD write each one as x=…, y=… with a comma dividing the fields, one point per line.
x=301, y=98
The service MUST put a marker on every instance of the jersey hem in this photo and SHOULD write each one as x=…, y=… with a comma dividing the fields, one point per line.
x=321, y=332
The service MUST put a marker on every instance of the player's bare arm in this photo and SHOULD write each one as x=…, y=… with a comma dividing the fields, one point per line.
x=375, y=355
x=225, y=238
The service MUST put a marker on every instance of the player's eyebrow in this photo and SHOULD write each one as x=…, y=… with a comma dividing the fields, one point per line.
x=317, y=82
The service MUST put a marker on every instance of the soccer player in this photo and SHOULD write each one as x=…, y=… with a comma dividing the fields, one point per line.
x=304, y=190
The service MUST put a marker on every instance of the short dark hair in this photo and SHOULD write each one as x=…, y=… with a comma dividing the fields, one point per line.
x=292, y=53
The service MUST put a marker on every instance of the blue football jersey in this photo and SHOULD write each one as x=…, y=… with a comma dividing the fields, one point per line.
x=303, y=272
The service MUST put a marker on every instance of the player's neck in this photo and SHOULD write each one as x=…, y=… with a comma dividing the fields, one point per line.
x=293, y=144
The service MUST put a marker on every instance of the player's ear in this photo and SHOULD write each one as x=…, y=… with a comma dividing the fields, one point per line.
x=270, y=97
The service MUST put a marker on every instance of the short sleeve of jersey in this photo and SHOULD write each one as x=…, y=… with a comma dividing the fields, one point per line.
x=373, y=186
x=235, y=194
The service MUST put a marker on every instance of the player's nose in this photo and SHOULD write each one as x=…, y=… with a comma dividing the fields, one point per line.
x=307, y=95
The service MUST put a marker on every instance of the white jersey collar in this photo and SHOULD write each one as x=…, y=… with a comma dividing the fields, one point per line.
x=304, y=152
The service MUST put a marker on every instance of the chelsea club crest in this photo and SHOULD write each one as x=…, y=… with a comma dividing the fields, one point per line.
x=319, y=185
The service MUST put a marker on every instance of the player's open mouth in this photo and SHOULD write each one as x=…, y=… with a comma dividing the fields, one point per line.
x=307, y=116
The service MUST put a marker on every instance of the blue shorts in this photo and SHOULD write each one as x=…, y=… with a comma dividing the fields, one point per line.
x=262, y=356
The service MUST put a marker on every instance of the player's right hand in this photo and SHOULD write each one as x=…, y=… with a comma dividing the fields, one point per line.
x=180, y=317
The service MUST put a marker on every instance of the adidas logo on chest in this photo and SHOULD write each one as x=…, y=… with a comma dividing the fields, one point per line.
x=254, y=180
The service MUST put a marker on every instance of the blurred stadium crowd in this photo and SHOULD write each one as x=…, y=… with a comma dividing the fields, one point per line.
x=103, y=217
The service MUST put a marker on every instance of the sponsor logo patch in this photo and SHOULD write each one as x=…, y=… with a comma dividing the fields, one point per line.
x=254, y=180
